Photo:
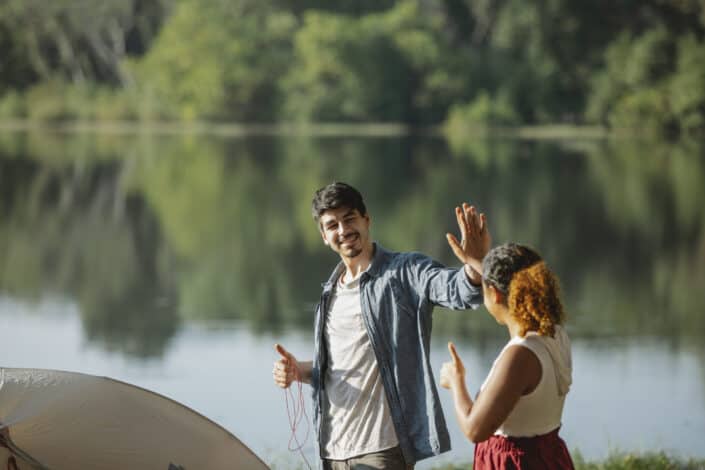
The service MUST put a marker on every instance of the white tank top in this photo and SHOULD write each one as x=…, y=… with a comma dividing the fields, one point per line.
x=540, y=411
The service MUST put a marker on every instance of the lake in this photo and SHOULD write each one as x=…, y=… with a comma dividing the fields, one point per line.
x=176, y=261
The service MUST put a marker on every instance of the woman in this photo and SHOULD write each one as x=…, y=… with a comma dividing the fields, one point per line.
x=515, y=418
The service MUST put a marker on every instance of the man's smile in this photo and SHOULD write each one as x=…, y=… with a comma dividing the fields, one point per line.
x=349, y=239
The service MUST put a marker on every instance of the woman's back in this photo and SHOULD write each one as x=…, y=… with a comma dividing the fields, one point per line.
x=540, y=411
x=516, y=418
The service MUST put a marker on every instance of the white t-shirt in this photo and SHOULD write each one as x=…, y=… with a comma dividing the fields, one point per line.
x=355, y=415
x=540, y=411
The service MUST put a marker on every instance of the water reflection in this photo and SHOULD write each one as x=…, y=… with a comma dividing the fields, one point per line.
x=146, y=232
x=74, y=231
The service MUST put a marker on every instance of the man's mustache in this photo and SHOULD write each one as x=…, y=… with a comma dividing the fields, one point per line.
x=348, y=236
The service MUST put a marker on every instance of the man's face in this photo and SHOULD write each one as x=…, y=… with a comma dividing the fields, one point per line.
x=345, y=230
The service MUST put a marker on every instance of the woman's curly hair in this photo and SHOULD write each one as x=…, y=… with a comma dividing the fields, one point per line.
x=531, y=288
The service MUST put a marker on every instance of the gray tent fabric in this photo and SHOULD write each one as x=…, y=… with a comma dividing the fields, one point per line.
x=67, y=421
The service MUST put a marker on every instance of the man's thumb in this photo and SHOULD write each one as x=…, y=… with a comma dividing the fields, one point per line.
x=453, y=353
x=282, y=352
x=455, y=246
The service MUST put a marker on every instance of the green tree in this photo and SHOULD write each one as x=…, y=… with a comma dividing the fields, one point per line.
x=389, y=66
x=220, y=60
x=75, y=40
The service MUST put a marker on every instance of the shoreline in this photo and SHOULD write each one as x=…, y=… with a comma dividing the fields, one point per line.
x=371, y=129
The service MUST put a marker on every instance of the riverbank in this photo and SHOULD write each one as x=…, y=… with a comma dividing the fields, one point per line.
x=621, y=461
x=371, y=129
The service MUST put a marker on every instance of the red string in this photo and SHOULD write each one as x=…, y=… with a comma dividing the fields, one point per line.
x=296, y=412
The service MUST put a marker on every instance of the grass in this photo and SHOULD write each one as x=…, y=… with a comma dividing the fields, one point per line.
x=648, y=461
x=620, y=461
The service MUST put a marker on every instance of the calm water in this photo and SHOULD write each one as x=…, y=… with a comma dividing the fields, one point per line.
x=175, y=263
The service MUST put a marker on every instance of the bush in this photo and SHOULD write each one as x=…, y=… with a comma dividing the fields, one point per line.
x=645, y=109
x=648, y=461
x=620, y=461
x=56, y=101
x=484, y=111
x=12, y=106
x=108, y=106
x=46, y=102
x=396, y=65
x=654, y=83
x=219, y=60
x=687, y=88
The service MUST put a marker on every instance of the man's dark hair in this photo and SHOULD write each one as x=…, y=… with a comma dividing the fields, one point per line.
x=335, y=196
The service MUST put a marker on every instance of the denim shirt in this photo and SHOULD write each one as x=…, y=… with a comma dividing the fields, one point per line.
x=397, y=296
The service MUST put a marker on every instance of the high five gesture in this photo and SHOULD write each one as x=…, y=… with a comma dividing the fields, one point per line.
x=475, y=240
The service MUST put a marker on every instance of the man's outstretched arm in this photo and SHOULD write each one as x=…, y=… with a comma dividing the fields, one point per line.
x=450, y=287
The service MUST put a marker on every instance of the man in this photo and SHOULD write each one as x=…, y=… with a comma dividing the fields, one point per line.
x=375, y=402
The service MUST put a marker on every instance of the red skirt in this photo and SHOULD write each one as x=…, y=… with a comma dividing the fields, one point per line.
x=547, y=451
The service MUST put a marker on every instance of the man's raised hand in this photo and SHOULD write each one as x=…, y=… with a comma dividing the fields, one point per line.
x=475, y=238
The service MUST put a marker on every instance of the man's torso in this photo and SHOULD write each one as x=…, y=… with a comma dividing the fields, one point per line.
x=356, y=418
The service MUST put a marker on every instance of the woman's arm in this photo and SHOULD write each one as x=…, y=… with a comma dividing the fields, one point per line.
x=517, y=373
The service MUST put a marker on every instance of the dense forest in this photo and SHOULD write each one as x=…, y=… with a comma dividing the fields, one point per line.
x=624, y=64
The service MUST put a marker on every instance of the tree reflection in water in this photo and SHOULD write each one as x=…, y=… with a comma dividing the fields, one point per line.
x=148, y=231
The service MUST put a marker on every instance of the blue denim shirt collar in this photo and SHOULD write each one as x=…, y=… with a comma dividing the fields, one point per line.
x=379, y=255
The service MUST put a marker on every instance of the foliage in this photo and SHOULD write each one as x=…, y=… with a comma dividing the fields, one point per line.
x=74, y=40
x=654, y=82
x=687, y=87
x=12, y=106
x=631, y=64
x=631, y=89
x=56, y=101
x=646, y=461
x=483, y=111
x=531, y=77
x=219, y=60
x=390, y=66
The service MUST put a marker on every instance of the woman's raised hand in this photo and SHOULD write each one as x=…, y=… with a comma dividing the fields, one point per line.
x=453, y=372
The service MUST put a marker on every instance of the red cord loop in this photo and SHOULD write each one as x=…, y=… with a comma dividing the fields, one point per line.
x=296, y=412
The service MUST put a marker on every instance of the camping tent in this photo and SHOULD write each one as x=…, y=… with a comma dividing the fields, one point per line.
x=68, y=421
